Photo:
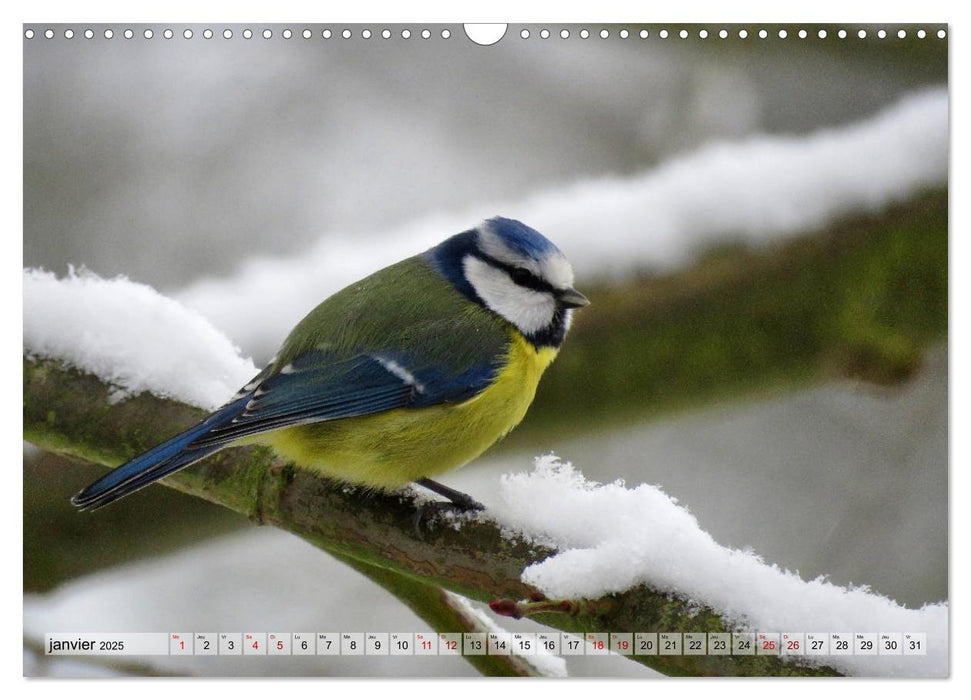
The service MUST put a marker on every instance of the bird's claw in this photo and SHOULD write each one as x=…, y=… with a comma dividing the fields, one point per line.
x=428, y=511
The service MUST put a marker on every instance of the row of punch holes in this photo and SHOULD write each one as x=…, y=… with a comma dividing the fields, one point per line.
x=523, y=33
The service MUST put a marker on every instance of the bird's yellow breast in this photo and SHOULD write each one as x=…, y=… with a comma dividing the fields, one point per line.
x=390, y=449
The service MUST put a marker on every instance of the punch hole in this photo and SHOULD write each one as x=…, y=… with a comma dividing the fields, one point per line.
x=29, y=34
x=366, y=34
x=564, y=33
x=385, y=33
x=882, y=34
x=683, y=34
x=68, y=33
x=207, y=34
x=921, y=33
x=306, y=34
x=743, y=34
x=227, y=34
x=487, y=34
x=643, y=34
x=763, y=34
x=426, y=34
x=841, y=33
x=109, y=34
x=405, y=33
x=803, y=33
x=703, y=34
x=287, y=34
x=783, y=34
x=129, y=34
x=861, y=33
x=604, y=33
x=187, y=34
x=88, y=34
x=544, y=34
x=624, y=33
x=821, y=34
x=168, y=34
x=247, y=33
x=524, y=34
x=584, y=34
x=267, y=33
x=148, y=33
x=901, y=34
x=446, y=34
x=326, y=34
x=663, y=33
x=723, y=34
x=941, y=33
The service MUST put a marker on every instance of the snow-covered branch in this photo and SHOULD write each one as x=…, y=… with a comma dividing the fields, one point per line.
x=760, y=189
x=628, y=559
x=68, y=411
x=130, y=336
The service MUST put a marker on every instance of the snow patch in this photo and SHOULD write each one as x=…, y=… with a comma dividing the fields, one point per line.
x=755, y=190
x=131, y=337
x=611, y=538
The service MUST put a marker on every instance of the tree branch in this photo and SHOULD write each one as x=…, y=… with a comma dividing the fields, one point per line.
x=71, y=412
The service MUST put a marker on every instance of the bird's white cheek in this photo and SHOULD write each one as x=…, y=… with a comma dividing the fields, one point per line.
x=530, y=311
x=535, y=315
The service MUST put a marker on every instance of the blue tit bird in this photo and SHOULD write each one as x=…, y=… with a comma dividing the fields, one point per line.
x=408, y=373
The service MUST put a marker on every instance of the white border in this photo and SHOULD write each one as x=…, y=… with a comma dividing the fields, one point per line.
x=602, y=11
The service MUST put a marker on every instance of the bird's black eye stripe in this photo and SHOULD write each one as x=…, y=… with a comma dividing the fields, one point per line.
x=521, y=276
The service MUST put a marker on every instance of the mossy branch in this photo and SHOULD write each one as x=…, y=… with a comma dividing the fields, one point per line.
x=70, y=412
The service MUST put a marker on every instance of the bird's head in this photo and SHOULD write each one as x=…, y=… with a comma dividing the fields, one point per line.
x=516, y=272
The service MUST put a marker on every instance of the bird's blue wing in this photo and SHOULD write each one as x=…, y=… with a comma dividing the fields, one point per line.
x=316, y=388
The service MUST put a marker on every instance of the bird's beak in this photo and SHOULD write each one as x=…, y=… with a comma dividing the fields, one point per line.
x=572, y=299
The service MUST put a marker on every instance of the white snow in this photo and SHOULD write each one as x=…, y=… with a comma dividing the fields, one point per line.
x=755, y=190
x=612, y=538
x=130, y=336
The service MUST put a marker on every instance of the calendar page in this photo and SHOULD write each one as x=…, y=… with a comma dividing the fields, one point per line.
x=611, y=350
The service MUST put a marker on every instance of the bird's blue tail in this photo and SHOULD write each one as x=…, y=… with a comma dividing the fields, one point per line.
x=160, y=461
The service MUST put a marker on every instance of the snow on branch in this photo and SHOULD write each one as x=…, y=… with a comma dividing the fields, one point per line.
x=609, y=545
x=611, y=538
x=68, y=411
x=755, y=190
x=131, y=337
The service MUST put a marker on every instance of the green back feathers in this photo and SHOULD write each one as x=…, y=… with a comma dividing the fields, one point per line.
x=408, y=306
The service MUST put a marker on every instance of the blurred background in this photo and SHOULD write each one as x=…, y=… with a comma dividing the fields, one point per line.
x=761, y=224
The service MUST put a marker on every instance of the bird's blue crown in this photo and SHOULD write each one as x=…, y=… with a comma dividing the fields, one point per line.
x=521, y=238
x=447, y=256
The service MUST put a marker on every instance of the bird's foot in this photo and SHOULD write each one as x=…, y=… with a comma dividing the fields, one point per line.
x=426, y=512
x=459, y=501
